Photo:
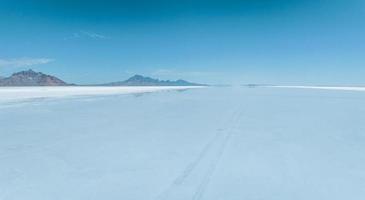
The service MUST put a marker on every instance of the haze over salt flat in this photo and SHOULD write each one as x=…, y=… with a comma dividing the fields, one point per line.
x=25, y=93
x=9, y=94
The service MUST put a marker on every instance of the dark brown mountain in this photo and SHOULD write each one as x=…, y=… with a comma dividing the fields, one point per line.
x=31, y=78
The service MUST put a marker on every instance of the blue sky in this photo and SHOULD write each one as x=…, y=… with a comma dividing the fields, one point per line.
x=216, y=41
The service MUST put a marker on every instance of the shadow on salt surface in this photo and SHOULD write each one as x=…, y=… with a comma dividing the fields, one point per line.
x=88, y=98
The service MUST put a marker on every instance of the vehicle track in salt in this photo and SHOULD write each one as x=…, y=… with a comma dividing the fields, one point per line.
x=194, y=179
x=208, y=176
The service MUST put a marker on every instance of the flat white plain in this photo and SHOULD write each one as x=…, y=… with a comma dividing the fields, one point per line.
x=204, y=144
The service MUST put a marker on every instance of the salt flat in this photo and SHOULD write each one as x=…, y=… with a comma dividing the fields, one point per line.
x=26, y=93
x=207, y=144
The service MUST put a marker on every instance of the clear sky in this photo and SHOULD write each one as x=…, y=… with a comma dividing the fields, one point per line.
x=210, y=41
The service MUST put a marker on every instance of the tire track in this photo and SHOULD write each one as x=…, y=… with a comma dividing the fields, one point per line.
x=180, y=179
x=208, y=176
x=207, y=161
x=188, y=170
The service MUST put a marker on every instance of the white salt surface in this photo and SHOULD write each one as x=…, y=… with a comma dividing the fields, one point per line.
x=203, y=144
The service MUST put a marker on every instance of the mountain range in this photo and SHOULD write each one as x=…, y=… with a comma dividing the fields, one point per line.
x=138, y=80
x=32, y=78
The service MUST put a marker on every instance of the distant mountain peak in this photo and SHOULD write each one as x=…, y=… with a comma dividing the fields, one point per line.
x=138, y=77
x=29, y=71
x=139, y=80
x=31, y=78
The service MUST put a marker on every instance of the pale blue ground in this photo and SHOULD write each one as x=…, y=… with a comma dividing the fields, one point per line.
x=211, y=144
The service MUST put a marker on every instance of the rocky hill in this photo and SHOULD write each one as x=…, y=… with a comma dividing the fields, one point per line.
x=31, y=78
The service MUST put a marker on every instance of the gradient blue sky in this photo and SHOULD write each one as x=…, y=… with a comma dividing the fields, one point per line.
x=211, y=41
